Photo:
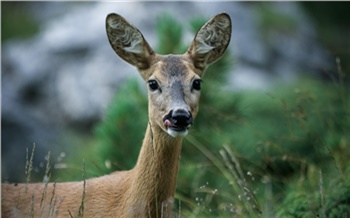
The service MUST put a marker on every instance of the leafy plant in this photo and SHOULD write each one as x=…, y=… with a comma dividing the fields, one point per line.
x=16, y=22
x=120, y=135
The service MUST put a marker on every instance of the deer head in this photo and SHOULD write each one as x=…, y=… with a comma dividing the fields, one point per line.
x=174, y=81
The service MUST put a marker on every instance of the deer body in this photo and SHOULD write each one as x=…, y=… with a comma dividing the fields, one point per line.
x=114, y=193
x=148, y=189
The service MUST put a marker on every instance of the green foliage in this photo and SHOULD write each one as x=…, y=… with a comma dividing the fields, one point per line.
x=271, y=19
x=120, y=135
x=300, y=121
x=16, y=22
x=333, y=25
x=330, y=200
x=170, y=35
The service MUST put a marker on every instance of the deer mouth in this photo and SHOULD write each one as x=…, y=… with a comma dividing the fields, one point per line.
x=177, y=122
x=175, y=130
x=173, y=126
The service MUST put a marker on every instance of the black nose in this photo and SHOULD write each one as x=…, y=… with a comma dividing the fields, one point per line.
x=180, y=118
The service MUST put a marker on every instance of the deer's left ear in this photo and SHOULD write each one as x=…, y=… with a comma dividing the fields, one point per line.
x=128, y=42
x=211, y=41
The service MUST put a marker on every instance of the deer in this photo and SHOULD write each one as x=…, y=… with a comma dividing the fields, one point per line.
x=148, y=189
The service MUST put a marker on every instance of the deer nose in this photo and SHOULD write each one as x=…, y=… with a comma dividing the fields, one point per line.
x=178, y=118
x=182, y=118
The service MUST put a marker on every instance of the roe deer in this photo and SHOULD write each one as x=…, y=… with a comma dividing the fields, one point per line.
x=147, y=190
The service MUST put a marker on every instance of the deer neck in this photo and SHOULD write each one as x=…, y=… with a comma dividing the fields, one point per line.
x=156, y=171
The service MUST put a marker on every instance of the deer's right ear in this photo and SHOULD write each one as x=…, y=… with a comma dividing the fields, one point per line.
x=128, y=42
x=211, y=41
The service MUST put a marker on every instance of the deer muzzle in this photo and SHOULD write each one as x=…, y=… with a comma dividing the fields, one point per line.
x=178, y=122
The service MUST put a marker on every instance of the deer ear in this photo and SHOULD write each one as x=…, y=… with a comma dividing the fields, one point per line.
x=211, y=41
x=128, y=42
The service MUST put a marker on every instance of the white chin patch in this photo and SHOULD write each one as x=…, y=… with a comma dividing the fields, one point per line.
x=175, y=133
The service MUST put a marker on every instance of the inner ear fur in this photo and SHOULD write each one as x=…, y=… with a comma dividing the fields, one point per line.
x=211, y=41
x=128, y=42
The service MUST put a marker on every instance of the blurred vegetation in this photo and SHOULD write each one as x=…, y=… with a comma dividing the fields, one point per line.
x=169, y=39
x=333, y=22
x=270, y=19
x=125, y=123
x=16, y=21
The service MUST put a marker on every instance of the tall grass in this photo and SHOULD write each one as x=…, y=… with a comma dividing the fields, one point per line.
x=53, y=201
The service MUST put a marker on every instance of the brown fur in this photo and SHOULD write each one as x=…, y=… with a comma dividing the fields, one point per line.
x=148, y=189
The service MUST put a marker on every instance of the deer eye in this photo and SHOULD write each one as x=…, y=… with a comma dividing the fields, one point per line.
x=153, y=85
x=196, y=84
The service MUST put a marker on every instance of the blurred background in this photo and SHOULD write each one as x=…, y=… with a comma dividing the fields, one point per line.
x=272, y=135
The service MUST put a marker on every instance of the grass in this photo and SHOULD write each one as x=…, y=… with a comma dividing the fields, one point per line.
x=82, y=205
x=46, y=180
x=229, y=169
x=29, y=166
x=53, y=202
